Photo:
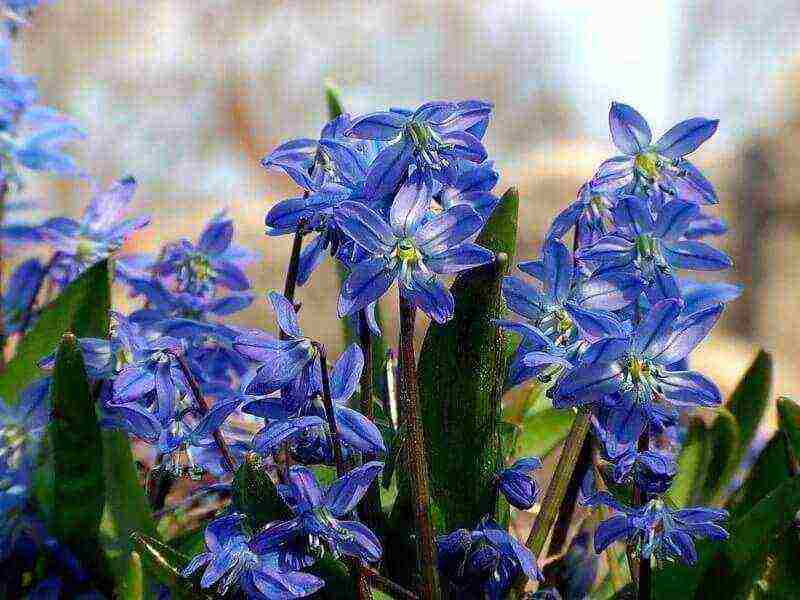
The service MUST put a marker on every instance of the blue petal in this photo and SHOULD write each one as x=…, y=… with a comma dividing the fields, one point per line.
x=410, y=205
x=523, y=299
x=365, y=227
x=629, y=129
x=389, y=169
x=272, y=436
x=304, y=486
x=559, y=268
x=429, y=295
x=653, y=332
x=674, y=218
x=217, y=236
x=605, y=351
x=384, y=126
x=687, y=334
x=359, y=541
x=697, y=256
x=686, y=137
x=610, y=291
x=202, y=434
x=594, y=324
x=460, y=258
x=346, y=373
x=285, y=314
x=587, y=384
x=608, y=532
x=692, y=186
x=310, y=258
x=285, y=215
x=633, y=212
x=690, y=388
x=366, y=283
x=465, y=145
x=358, y=431
x=346, y=492
x=448, y=229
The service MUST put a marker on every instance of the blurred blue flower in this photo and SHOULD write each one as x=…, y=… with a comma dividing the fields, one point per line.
x=518, y=485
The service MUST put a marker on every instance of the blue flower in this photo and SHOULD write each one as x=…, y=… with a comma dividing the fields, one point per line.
x=320, y=516
x=18, y=301
x=433, y=138
x=659, y=531
x=100, y=232
x=517, y=484
x=662, y=165
x=636, y=364
x=413, y=248
x=22, y=425
x=299, y=412
x=472, y=185
x=590, y=214
x=213, y=261
x=653, y=247
x=484, y=563
x=232, y=560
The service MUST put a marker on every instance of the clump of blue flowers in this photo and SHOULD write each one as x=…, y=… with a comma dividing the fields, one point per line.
x=322, y=471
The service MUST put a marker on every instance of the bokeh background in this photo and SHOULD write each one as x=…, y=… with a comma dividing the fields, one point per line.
x=187, y=95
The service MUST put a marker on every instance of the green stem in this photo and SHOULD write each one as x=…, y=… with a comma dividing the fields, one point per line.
x=558, y=483
x=414, y=451
x=569, y=503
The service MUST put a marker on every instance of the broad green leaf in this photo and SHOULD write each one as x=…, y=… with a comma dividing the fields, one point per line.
x=339, y=583
x=544, y=431
x=789, y=423
x=74, y=438
x=255, y=495
x=770, y=470
x=750, y=400
x=461, y=374
x=692, y=465
x=724, y=445
x=81, y=308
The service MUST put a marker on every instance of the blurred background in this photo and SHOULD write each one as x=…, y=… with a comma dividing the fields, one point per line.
x=187, y=95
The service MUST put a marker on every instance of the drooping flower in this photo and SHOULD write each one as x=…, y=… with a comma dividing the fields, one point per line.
x=412, y=248
x=658, y=531
x=484, y=563
x=433, y=138
x=321, y=515
x=517, y=484
x=653, y=248
x=233, y=560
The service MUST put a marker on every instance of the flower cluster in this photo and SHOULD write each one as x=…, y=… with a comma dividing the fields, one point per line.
x=392, y=196
x=609, y=325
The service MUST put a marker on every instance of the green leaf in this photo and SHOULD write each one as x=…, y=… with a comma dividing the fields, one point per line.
x=789, y=423
x=544, y=431
x=165, y=564
x=255, y=495
x=724, y=447
x=132, y=586
x=750, y=400
x=74, y=439
x=461, y=374
x=692, y=465
x=334, y=101
x=770, y=470
x=81, y=308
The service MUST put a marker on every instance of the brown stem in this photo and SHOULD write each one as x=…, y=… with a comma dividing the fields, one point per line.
x=336, y=443
x=159, y=484
x=415, y=451
x=290, y=284
x=202, y=407
x=387, y=585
